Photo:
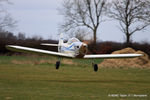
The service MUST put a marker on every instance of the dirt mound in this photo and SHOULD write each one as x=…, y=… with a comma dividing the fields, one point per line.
x=139, y=62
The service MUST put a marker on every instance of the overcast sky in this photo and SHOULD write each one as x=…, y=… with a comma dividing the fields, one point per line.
x=41, y=18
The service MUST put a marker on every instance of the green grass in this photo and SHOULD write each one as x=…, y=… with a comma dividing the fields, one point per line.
x=70, y=82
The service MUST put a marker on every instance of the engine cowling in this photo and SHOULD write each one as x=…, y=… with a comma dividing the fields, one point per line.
x=82, y=51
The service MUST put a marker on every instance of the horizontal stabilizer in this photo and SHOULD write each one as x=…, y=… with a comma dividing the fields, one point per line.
x=47, y=44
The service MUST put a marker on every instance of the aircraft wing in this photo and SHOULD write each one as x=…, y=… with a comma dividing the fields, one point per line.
x=107, y=56
x=39, y=51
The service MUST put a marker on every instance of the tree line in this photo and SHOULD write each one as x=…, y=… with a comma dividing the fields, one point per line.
x=8, y=38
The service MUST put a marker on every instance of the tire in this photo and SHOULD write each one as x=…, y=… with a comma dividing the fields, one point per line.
x=57, y=64
x=95, y=67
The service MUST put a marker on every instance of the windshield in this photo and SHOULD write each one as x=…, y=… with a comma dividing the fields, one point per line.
x=73, y=40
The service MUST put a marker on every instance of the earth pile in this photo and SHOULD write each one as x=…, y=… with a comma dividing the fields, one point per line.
x=138, y=62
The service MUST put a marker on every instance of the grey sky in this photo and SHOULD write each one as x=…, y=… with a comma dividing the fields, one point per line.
x=41, y=18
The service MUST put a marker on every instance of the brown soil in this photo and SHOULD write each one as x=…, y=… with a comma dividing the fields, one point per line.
x=36, y=62
x=138, y=62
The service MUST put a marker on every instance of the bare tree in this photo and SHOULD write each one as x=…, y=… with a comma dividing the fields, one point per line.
x=6, y=21
x=81, y=34
x=21, y=36
x=83, y=13
x=133, y=16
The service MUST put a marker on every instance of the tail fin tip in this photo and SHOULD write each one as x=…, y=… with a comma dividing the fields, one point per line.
x=61, y=39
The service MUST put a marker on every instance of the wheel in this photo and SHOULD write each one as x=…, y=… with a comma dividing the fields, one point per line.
x=95, y=67
x=57, y=64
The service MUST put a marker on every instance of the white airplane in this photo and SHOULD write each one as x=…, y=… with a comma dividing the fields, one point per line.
x=72, y=49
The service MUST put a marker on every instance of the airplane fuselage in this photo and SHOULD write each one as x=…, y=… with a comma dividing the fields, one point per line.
x=77, y=49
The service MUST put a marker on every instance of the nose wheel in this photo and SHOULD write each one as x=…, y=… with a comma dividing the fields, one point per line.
x=57, y=64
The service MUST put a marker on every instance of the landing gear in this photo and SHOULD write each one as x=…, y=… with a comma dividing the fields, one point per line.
x=95, y=66
x=57, y=64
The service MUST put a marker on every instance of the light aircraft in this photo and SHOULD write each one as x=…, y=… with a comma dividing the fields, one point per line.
x=72, y=49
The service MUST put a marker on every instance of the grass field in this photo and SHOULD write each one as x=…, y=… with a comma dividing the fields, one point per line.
x=34, y=78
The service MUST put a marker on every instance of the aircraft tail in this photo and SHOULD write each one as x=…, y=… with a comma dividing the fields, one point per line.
x=61, y=41
x=59, y=45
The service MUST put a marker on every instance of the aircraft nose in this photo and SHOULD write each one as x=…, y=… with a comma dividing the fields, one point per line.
x=83, y=49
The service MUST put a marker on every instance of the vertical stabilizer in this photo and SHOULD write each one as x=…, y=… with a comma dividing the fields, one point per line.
x=61, y=39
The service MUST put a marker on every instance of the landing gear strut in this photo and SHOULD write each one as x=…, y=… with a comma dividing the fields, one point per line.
x=95, y=66
x=57, y=64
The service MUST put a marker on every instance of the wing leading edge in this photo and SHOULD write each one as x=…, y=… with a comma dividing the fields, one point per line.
x=39, y=51
x=107, y=56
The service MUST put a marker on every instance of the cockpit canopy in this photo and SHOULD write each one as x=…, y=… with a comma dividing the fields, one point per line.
x=70, y=41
